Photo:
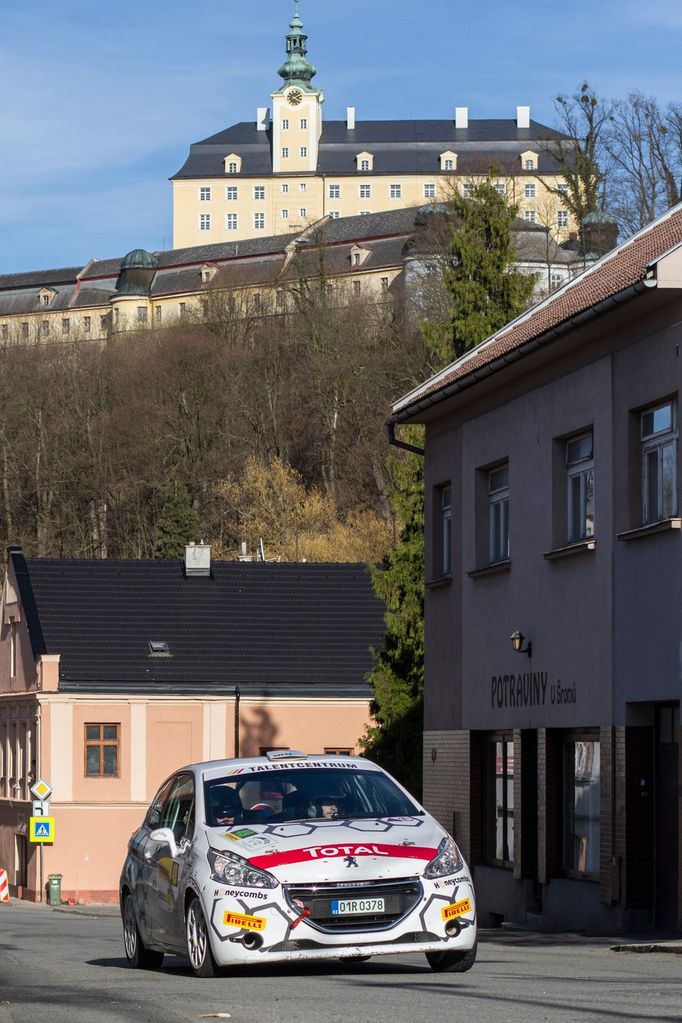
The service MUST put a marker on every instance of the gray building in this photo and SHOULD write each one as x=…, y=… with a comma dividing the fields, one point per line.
x=553, y=588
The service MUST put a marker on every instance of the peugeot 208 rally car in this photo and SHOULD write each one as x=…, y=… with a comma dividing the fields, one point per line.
x=287, y=857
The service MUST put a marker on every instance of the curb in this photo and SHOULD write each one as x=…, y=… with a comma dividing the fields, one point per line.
x=671, y=948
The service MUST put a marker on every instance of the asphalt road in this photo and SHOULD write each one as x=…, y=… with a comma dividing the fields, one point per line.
x=64, y=967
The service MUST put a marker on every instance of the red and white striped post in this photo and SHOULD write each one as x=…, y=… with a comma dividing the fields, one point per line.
x=4, y=886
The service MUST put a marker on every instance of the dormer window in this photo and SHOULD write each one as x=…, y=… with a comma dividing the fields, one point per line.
x=448, y=161
x=358, y=255
x=364, y=162
x=45, y=296
x=233, y=164
x=208, y=272
x=529, y=160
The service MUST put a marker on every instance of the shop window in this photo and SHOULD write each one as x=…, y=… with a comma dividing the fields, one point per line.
x=102, y=751
x=499, y=800
x=581, y=805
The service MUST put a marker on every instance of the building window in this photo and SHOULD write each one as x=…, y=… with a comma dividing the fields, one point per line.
x=529, y=215
x=365, y=191
x=303, y=187
x=658, y=434
x=384, y=283
x=285, y=187
x=285, y=124
x=555, y=280
x=44, y=328
x=395, y=191
x=357, y=288
x=103, y=323
x=259, y=221
x=562, y=218
x=580, y=472
x=259, y=191
x=562, y=187
x=364, y=165
x=232, y=168
x=285, y=152
x=429, y=191
x=335, y=191
x=231, y=193
x=442, y=565
x=5, y=331
x=334, y=214
x=284, y=214
x=500, y=187
x=45, y=299
x=498, y=516
x=142, y=314
x=303, y=212
x=87, y=324
x=304, y=151
x=24, y=331
x=101, y=751
x=304, y=123
x=66, y=328
x=204, y=221
x=158, y=313
x=231, y=221
x=205, y=193
x=499, y=800
x=581, y=805
x=448, y=164
x=529, y=164
x=183, y=309
x=529, y=191
x=357, y=257
x=468, y=190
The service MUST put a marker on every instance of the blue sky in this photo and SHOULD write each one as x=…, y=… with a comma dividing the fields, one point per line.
x=100, y=101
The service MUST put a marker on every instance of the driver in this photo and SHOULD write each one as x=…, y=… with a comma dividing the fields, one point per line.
x=226, y=805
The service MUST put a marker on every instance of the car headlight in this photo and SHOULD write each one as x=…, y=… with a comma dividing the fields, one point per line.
x=448, y=860
x=228, y=868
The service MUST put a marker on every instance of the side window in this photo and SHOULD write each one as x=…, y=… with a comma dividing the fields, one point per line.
x=658, y=436
x=155, y=814
x=498, y=514
x=178, y=808
x=580, y=487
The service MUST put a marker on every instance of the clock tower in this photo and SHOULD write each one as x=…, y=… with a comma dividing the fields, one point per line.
x=296, y=108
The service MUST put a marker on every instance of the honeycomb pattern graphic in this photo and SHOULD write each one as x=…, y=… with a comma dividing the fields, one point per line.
x=375, y=826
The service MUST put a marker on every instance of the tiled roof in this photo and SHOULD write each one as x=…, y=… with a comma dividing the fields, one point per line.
x=410, y=147
x=295, y=627
x=622, y=268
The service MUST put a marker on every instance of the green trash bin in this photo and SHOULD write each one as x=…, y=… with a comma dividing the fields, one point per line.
x=54, y=889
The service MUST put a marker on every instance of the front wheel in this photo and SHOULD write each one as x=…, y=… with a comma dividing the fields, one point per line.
x=198, y=942
x=452, y=962
x=138, y=956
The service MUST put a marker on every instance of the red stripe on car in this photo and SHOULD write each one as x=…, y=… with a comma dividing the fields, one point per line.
x=325, y=852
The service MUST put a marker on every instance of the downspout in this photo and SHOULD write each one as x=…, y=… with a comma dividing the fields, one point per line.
x=395, y=443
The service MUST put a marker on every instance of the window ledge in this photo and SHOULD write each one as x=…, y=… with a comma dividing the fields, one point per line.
x=442, y=580
x=499, y=566
x=581, y=547
x=662, y=526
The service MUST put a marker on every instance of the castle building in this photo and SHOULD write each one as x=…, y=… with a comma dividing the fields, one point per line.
x=289, y=167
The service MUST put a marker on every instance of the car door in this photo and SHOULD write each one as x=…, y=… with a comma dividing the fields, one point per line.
x=169, y=866
x=142, y=872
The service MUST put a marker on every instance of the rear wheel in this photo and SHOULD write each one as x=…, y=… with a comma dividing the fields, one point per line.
x=198, y=941
x=138, y=956
x=452, y=962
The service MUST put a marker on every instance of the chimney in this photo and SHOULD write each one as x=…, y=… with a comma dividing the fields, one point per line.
x=461, y=117
x=350, y=118
x=197, y=559
x=523, y=117
x=262, y=118
x=244, y=555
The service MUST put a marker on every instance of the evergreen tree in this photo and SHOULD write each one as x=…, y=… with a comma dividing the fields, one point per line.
x=485, y=291
x=177, y=524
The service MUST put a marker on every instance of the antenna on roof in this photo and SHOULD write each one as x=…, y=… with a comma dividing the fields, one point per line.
x=261, y=550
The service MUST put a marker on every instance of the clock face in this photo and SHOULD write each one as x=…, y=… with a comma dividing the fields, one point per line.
x=294, y=97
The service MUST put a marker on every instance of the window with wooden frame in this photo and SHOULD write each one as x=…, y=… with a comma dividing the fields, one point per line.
x=102, y=750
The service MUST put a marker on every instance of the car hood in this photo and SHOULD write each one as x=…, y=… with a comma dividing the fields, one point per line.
x=347, y=850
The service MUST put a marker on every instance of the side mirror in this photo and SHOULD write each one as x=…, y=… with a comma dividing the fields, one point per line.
x=164, y=836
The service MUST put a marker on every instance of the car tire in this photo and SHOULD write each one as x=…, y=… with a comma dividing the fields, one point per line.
x=137, y=954
x=198, y=940
x=452, y=962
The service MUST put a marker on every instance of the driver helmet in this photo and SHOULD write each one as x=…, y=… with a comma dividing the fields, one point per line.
x=225, y=803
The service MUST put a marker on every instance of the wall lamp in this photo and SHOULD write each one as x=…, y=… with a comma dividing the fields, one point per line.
x=517, y=640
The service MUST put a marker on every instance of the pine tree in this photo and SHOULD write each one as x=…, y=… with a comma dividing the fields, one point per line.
x=177, y=524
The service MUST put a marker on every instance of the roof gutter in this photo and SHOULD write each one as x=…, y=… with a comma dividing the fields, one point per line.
x=403, y=445
x=457, y=386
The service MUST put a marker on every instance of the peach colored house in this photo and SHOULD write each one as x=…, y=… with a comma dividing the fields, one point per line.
x=114, y=673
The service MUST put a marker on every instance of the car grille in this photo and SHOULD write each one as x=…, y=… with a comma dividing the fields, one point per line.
x=400, y=897
x=306, y=945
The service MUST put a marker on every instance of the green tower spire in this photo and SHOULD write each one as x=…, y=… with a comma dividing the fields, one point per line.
x=296, y=68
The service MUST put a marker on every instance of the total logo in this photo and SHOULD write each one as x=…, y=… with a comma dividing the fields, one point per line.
x=324, y=851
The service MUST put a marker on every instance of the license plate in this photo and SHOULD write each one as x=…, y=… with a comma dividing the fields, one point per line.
x=357, y=907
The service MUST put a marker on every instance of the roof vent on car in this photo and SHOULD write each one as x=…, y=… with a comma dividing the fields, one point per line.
x=286, y=754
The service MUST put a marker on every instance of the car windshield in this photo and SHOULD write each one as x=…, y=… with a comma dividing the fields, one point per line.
x=294, y=794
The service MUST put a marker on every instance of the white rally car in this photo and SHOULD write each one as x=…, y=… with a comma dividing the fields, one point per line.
x=288, y=857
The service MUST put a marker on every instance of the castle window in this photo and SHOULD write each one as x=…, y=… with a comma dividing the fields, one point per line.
x=395, y=191
x=259, y=221
x=303, y=212
x=303, y=187
x=304, y=151
x=259, y=191
x=335, y=191
x=284, y=214
x=334, y=214
x=285, y=124
x=304, y=123
x=365, y=191
x=562, y=218
x=285, y=187
x=529, y=191
x=205, y=193
x=87, y=324
x=231, y=221
x=529, y=215
x=285, y=152
x=429, y=191
x=204, y=221
x=231, y=193
x=66, y=328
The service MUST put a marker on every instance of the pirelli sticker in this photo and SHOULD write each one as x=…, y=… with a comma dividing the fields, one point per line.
x=247, y=923
x=457, y=909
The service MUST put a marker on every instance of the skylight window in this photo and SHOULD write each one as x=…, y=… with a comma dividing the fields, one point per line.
x=159, y=648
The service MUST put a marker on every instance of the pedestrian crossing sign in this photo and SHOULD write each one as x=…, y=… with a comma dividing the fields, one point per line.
x=41, y=830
